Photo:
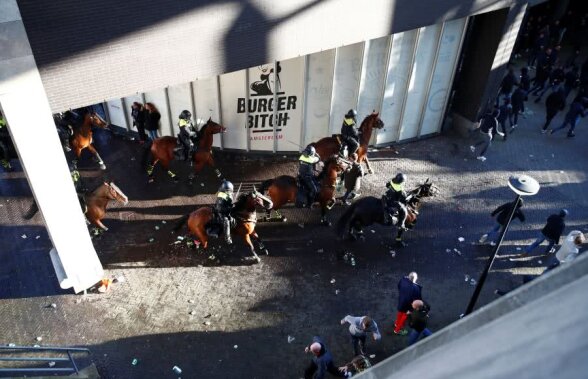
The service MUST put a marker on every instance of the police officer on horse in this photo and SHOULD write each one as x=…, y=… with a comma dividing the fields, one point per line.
x=5, y=142
x=396, y=199
x=307, y=166
x=187, y=131
x=349, y=132
x=224, y=206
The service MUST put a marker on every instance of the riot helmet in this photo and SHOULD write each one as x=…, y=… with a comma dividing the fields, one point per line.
x=185, y=115
x=226, y=186
x=310, y=150
x=352, y=113
x=399, y=178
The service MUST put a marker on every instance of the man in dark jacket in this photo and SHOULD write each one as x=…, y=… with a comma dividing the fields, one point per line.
x=551, y=232
x=556, y=78
x=508, y=83
x=322, y=362
x=502, y=213
x=518, y=105
x=488, y=128
x=352, y=179
x=577, y=110
x=138, y=115
x=555, y=102
x=418, y=318
x=395, y=198
x=306, y=168
x=349, y=131
x=408, y=291
x=504, y=113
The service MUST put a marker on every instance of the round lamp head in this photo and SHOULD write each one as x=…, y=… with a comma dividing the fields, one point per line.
x=523, y=185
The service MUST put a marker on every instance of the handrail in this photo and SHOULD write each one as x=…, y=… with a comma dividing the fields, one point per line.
x=68, y=350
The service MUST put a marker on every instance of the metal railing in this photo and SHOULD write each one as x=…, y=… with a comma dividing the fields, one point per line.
x=31, y=349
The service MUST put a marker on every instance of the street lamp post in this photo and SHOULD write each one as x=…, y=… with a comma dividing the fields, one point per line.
x=523, y=186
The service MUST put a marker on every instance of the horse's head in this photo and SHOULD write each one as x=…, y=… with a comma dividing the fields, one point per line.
x=427, y=189
x=114, y=193
x=251, y=200
x=336, y=163
x=372, y=121
x=95, y=120
x=212, y=127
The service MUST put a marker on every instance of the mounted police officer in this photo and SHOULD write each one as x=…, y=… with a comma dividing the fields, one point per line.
x=307, y=166
x=187, y=130
x=5, y=141
x=396, y=198
x=224, y=206
x=349, y=132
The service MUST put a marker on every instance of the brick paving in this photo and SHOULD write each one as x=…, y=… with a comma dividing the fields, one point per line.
x=225, y=318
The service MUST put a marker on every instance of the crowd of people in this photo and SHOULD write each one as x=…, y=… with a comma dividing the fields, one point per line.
x=561, y=77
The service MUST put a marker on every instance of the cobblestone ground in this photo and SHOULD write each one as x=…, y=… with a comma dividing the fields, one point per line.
x=219, y=317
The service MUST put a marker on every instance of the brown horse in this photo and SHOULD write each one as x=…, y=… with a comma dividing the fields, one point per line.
x=244, y=213
x=82, y=137
x=328, y=146
x=162, y=150
x=283, y=189
x=96, y=202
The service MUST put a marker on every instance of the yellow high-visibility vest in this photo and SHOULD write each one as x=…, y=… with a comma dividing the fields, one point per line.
x=183, y=123
x=396, y=187
x=224, y=196
x=307, y=159
x=349, y=121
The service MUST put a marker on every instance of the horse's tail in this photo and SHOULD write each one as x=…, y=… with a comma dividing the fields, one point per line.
x=181, y=222
x=343, y=223
x=265, y=185
x=145, y=156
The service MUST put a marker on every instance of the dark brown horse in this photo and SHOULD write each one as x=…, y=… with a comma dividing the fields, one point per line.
x=328, y=146
x=82, y=137
x=283, y=189
x=244, y=213
x=96, y=202
x=370, y=210
x=162, y=150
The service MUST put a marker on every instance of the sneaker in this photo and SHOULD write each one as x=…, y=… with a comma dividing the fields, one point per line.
x=483, y=238
x=571, y=135
x=543, y=131
x=402, y=332
x=481, y=158
x=473, y=148
x=552, y=131
x=513, y=127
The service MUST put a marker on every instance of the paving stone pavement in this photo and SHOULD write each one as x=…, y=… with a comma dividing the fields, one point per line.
x=216, y=316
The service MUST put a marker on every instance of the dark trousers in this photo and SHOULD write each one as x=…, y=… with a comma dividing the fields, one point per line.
x=312, y=368
x=141, y=131
x=514, y=117
x=310, y=187
x=352, y=145
x=549, y=115
x=358, y=345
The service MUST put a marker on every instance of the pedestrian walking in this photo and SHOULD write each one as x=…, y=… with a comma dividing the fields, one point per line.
x=359, y=327
x=138, y=115
x=322, y=362
x=525, y=80
x=571, y=81
x=418, y=319
x=504, y=114
x=352, y=178
x=502, y=213
x=507, y=84
x=518, y=105
x=577, y=110
x=551, y=232
x=556, y=77
x=488, y=127
x=554, y=103
x=152, y=120
x=569, y=249
x=408, y=291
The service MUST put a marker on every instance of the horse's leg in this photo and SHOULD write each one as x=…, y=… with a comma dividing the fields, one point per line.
x=100, y=161
x=367, y=164
x=100, y=225
x=324, y=220
x=398, y=240
x=150, y=169
x=260, y=243
x=247, y=240
x=170, y=173
x=210, y=162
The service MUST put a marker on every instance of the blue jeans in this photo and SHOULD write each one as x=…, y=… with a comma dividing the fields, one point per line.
x=152, y=134
x=493, y=233
x=358, y=344
x=540, y=238
x=486, y=140
x=414, y=336
x=573, y=122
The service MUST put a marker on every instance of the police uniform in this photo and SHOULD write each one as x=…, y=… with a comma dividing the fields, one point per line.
x=186, y=130
x=4, y=141
x=224, y=206
x=396, y=198
x=307, y=163
x=349, y=132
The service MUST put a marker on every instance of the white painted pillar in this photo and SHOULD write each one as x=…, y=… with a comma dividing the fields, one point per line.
x=28, y=114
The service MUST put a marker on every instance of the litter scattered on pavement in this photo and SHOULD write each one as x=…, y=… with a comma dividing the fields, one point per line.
x=51, y=364
x=11, y=345
x=120, y=279
x=201, y=184
x=53, y=305
x=291, y=339
x=448, y=250
x=337, y=292
x=332, y=281
x=212, y=257
x=24, y=236
x=467, y=278
x=561, y=172
x=39, y=339
x=540, y=261
x=461, y=239
x=519, y=249
x=191, y=301
x=473, y=282
x=236, y=347
x=301, y=225
x=372, y=230
x=180, y=238
x=208, y=315
x=35, y=345
x=457, y=251
x=320, y=251
x=37, y=237
x=207, y=323
x=192, y=313
x=135, y=362
x=156, y=227
x=392, y=253
x=372, y=356
x=151, y=239
x=163, y=222
x=177, y=370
